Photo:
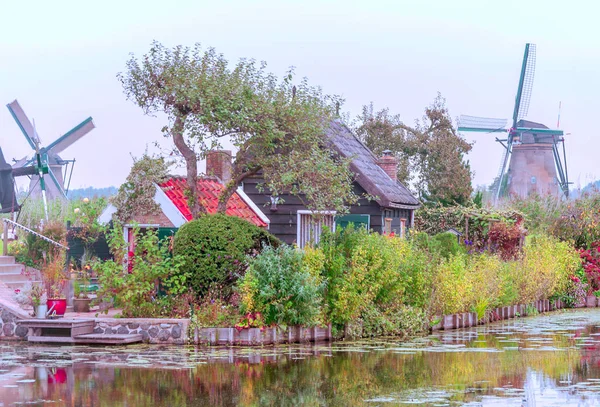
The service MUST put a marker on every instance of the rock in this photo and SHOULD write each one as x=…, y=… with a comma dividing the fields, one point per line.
x=133, y=326
x=98, y=330
x=21, y=331
x=8, y=329
x=145, y=327
x=109, y=331
x=123, y=330
x=145, y=336
x=178, y=342
x=7, y=317
x=164, y=335
x=176, y=332
x=153, y=332
x=165, y=326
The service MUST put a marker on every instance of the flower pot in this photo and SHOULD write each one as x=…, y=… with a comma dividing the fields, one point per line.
x=81, y=304
x=40, y=311
x=57, y=306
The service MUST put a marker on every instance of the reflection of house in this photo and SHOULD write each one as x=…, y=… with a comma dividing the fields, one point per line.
x=391, y=210
x=174, y=210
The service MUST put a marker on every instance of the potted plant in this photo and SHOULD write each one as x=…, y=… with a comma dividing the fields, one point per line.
x=55, y=277
x=81, y=300
x=39, y=300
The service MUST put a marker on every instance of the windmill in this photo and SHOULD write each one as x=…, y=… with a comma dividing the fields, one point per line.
x=531, y=150
x=48, y=178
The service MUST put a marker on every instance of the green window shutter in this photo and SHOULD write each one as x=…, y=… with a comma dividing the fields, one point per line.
x=358, y=221
x=166, y=232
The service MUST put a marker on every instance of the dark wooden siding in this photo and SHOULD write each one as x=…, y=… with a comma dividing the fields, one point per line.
x=284, y=220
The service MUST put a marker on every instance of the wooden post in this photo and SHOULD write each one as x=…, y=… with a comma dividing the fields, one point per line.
x=5, y=240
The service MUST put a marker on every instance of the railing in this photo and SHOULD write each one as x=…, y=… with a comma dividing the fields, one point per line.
x=8, y=222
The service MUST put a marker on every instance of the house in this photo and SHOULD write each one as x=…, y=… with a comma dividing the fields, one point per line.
x=174, y=210
x=391, y=210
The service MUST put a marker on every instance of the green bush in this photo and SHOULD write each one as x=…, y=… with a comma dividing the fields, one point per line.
x=279, y=286
x=214, y=249
x=151, y=285
x=445, y=244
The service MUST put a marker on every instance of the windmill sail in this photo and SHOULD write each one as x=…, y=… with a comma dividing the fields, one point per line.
x=481, y=124
x=525, y=84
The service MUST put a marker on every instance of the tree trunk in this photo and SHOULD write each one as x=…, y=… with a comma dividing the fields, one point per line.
x=191, y=165
x=231, y=187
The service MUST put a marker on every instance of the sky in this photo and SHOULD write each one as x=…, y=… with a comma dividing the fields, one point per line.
x=60, y=60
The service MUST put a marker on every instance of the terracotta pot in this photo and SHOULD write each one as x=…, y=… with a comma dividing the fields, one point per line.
x=81, y=304
x=57, y=306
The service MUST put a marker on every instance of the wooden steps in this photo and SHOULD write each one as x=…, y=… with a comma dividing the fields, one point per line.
x=73, y=331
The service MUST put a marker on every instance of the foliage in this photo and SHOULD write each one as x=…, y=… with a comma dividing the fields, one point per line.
x=279, y=287
x=135, y=280
x=444, y=244
x=84, y=224
x=54, y=274
x=31, y=295
x=432, y=150
x=213, y=249
x=438, y=219
x=41, y=251
x=275, y=126
x=506, y=238
x=136, y=196
x=579, y=221
x=590, y=263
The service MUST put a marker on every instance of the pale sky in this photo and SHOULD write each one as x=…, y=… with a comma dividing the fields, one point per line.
x=60, y=60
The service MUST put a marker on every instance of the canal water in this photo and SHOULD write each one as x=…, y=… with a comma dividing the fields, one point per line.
x=546, y=360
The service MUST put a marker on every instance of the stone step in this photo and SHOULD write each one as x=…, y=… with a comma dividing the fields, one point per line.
x=11, y=268
x=18, y=284
x=7, y=260
x=89, y=339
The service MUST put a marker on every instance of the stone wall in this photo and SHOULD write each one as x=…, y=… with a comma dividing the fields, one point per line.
x=8, y=324
x=153, y=330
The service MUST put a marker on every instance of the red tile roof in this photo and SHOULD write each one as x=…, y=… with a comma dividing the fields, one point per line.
x=208, y=195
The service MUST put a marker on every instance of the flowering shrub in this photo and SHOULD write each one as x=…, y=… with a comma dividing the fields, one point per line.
x=590, y=262
x=505, y=238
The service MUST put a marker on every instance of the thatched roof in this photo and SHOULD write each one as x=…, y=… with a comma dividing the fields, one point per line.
x=369, y=175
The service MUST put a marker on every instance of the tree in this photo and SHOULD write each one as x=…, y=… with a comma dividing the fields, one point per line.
x=136, y=195
x=431, y=154
x=277, y=127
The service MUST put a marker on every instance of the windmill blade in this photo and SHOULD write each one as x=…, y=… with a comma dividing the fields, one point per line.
x=525, y=84
x=72, y=136
x=25, y=125
x=481, y=124
x=59, y=187
x=23, y=162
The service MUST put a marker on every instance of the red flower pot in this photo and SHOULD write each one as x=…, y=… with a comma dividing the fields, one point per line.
x=57, y=306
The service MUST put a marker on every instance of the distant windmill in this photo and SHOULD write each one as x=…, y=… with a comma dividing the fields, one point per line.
x=531, y=150
x=46, y=159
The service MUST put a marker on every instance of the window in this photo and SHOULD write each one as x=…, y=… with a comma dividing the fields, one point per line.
x=310, y=224
x=387, y=226
x=359, y=221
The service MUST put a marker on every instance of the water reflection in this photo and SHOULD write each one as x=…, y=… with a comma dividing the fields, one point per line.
x=545, y=360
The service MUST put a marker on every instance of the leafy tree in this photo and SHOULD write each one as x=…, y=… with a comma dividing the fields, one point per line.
x=136, y=195
x=431, y=154
x=277, y=127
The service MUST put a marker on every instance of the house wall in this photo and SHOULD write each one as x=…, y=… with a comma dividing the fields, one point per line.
x=284, y=220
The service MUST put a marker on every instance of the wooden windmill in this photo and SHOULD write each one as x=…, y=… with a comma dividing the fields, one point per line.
x=49, y=178
x=531, y=150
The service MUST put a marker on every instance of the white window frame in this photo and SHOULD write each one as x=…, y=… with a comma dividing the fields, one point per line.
x=299, y=214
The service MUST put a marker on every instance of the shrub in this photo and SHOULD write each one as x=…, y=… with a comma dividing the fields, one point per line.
x=280, y=287
x=214, y=250
x=360, y=268
x=445, y=244
x=151, y=271
x=505, y=238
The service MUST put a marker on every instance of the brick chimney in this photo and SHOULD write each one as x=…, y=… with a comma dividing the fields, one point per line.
x=218, y=164
x=389, y=164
